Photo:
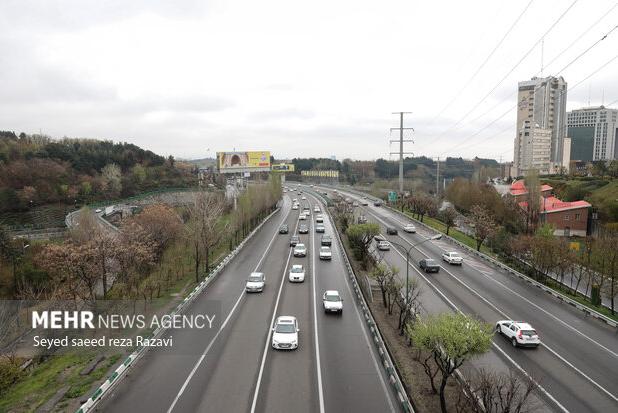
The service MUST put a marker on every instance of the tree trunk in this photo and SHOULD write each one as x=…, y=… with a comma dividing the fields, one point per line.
x=447, y=229
x=197, y=264
x=442, y=395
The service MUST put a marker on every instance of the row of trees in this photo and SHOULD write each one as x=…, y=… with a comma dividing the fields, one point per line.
x=36, y=170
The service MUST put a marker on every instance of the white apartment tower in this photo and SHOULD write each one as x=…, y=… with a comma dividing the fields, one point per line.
x=533, y=149
x=542, y=103
x=601, y=124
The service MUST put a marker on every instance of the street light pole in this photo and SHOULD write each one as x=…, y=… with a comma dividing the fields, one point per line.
x=408, y=251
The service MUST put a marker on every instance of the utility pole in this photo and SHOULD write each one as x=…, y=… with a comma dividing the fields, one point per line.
x=438, y=177
x=401, y=152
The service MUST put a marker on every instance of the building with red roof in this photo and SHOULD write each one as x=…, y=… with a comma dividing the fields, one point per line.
x=567, y=218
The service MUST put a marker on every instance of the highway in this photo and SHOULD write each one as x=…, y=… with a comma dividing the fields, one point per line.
x=334, y=369
x=577, y=363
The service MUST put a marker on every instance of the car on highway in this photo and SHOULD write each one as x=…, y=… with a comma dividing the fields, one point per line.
x=384, y=246
x=319, y=219
x=364, y=203
x=325, y=253
x=429, y=265
x=452, y=258
x=377, y=203
x=98, y=210
x=304, y=198
x=283, y=229
x=409, y=228
x=297, y=273
x=300, y=250
x=332, y=302
x=294, y=239
x=285, y=333
x=326, y=240
x=295, y=200
x=295, y=206
x=302, y=216
x=255, y=282
x=320, y=228
x=391, y=231
x=316, y=209
x=362, y=219
x=518, y=333
x=303, y=229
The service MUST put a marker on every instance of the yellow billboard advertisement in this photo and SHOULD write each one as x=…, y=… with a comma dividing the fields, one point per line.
x=246, y=161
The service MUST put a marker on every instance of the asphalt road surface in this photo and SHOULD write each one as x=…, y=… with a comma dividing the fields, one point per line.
x=577, y=362
x=335, y=368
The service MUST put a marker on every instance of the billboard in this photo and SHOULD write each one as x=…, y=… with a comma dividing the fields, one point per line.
x=250, y=161
x=321, y=174
x=283, y=167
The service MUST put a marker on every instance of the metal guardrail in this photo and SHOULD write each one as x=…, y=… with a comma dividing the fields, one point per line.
x=113, y=380
x=585, y=309
x=493, y=261
x=385, y=358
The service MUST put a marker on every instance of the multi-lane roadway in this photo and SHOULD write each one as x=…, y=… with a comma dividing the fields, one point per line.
x=576, y=365
x=235, y=369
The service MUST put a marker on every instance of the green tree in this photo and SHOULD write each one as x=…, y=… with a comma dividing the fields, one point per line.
x=360, y=237
x=448, y=216
x=451, y=339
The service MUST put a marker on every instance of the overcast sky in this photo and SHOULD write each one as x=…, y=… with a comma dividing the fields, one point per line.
x=318, y=78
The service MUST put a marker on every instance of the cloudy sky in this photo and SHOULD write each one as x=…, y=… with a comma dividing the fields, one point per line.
x=318, y=78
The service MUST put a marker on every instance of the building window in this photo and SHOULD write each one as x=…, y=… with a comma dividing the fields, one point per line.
x=577, y=216
x=566, y=217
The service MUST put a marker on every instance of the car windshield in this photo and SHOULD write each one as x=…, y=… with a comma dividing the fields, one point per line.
x=285, y=328
x=332, y=297
x=300, y=246
x=430, y=262
x=325, y=249
x=297, y=269
x=454, y=254
x=326, y=237
x=528, y=333
x=255, y=278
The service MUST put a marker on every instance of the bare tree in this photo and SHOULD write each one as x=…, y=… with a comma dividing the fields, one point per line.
x=448, y=216
x=408, y=303
x=484, y=225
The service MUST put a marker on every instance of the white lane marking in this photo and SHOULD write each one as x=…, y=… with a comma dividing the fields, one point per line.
x=494, y=345
x=315, y=322
x=564, y=323
x=207, y=349
x=268, y=336
x=362, y=324
x=594, y=383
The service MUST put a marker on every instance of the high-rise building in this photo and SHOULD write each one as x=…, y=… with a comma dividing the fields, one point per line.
x=533, y=149
x=593, y=132
x=542, y=103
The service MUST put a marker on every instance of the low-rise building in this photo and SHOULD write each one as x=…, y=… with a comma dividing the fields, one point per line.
x=568, y=218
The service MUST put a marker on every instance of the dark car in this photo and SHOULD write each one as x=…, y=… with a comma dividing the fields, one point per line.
x=283, y=229
x=295, y=239
x=377, y=203
x=429, y=265
x=303, y=229
x=326, y=240
x=391, y=231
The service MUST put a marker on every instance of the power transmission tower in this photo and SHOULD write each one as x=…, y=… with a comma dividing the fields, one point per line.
x=401, y=152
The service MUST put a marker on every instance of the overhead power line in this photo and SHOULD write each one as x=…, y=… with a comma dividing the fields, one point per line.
x=554, y=24
x=510, y=29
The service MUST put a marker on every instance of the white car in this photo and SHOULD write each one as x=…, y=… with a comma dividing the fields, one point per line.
x=332, y=302
x=316, y=209
x=519, y=333
x=300, y=250
x=297, y=273
x=320, y=228
x=295, y=200
x=295, y=206
x=285, y=333
x=409, y=228
x=384, y=246
x=319, y=219
x=452, y=258
x=302, y=217
x=325, y=253
x=255, y=282
x=304, y=198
